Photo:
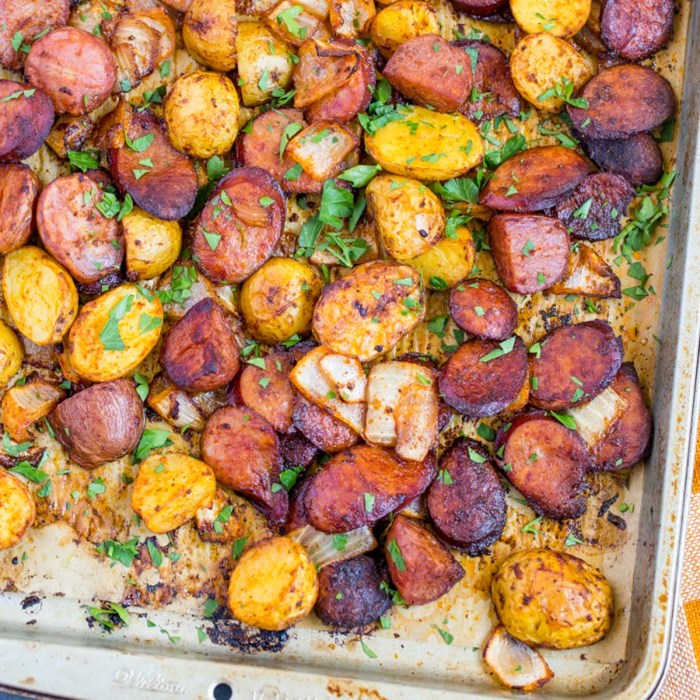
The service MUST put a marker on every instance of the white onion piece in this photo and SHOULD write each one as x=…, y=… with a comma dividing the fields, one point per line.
x=174, y=405
x=324, y=549
x=594, y=418
x=347, y=375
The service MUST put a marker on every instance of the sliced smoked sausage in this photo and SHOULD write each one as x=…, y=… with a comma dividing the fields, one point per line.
x=638, y=158
x=321, y=428
x=480, y=8
x=26, y=117
x=483, y=309
x=19, y=189
x=636, y=29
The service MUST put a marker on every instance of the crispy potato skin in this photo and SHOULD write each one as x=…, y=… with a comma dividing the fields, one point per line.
x=552, y=599
x=323, y=430
x=209, y=33
x=277, y=301
x=564, y=18
x=425, y=570
x=200, y=353
x=24, y=121
x=623, y=100
x=22, y=406
x=636, y=29
x=401, y=21
x=99, y=424
x=152, y=245
x=590, y=352
x=343, y=316
x=638, y=158
x=19, y=189
x=484, y=309
x=18, y=510
x=11, y=354
x=451, y=259
x=76, y=69
x=169, y=490
x=274, y=584
x=40, y=295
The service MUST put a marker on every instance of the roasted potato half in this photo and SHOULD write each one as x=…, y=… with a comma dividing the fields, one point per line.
x=209, y=33
x=152, y=245
x=114, y=333
x=169, y=490
x=559, y=17
x=400, y=22
x=18, y=511
x=23, y=405
x=451, y=260
x=40, y=295
x=11, y=354
x=274, y=584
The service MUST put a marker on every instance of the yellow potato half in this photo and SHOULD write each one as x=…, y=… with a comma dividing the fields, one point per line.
x=17, y=510
x=152, y=245
x=451, y=260
x=11, y=354
x=559, y=17
x=401, y=21
x=209, y=33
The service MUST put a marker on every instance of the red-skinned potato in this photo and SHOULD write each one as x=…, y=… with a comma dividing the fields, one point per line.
x=19, y=189
x=26, y=118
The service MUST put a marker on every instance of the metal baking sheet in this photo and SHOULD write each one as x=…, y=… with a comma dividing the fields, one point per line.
x=49, y=648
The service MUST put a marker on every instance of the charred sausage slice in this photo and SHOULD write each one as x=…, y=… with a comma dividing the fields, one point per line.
x=530, y=251
x=484, y=377
x=638, y=158
x=26, y=117
x=483, y=309
x=19, y=189
x=76, y=69
x=467, y=502
x=76, y=232
x=321, y=428
x=296, y=515
x=636, y=29
x=420, y=566
x=480, y=8
x=296, y=450
x=535, y=179
x=240, y=225
x=547, y=463
x=573, y=364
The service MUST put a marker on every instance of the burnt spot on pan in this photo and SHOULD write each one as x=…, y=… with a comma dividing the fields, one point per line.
x=250, y=640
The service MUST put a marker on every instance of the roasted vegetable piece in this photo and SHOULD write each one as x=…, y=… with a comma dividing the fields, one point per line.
x=40, y=295
x=479, y=8
x=209, y=33
x=350, y=593
x=637, y=158
x=273, y=585
x=635, y=30
x=467, y=502
x=336, y=500
x=344, y=318
x=323, y=430
x=11, y=354
x=546, y=462
x=451, y=260
x=588, y=274
x=484, y=377
x=18, y=510
x=169, y=490
x=76, y=69
x=552, y=599
x=25, y=404
x=483, y=309
x=401, y=21
x=347, y=376
x=307, y=22
x=220, y=522
x=174, y=405
x=559, y=17
x=535, y=179
x=350, y=19
x=152, y=244
x=19, y=188
x=179, y=5
x=623, y=100
x=200, y=353
x=321, y=149
x=69, y=134
x=99, y=424
x=25, y=120
x=573, y=364
x=421, y=568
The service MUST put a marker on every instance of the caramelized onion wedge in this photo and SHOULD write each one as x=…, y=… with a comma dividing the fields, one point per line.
x=593, y=419
x=324, y=549
x=23, y=405
x=174, y=405
x=514, y=663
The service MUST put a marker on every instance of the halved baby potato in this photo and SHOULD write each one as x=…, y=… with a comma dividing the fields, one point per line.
x=169, y=490
x=18, y=511
x=40, y=295
x=11, y=354
x=559, y=17
x=209, y=33
x=114, y=333
x=400, y=22
x=152, y=244
x=274, y=584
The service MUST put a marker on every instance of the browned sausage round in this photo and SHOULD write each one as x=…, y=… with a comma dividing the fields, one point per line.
x=535, y=179
x=19, y=189
x=420, y=566
x=547, y=463
x=484, y=377
x=530, y=251
x=467, y=502
x=100, y=423
x=76, y=69
x=483, y=309
x=623, y=100
x=430, y=72
x=161, y=180
x=492, y=79
x=636, y=29
x=321, y=429
x=638, y=159
x=239, y=227
x=243, y=450
x=595, y=209
x=480, y=8
x=296, y=450
x=26, y=117
x=74, y=230
x=572, y=364
x=199, y=352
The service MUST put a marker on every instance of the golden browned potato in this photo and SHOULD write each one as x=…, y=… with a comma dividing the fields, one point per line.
x=170, y=489
x=40, y=295
x=18, y=511
x=113, y=334
x=409, y=216
x=201, y=113
x=400, y=22
x=11, y=354
x=274, y=584
x=542, y=62
x=451, y=260
x=426, y=145
x=559, y=17
x=23, y=405
x=152, y=245
x=264, y=63
x=209, y=33
x=277, y=300
x=552, y=599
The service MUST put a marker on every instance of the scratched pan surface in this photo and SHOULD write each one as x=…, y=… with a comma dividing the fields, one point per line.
x=48, y=647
